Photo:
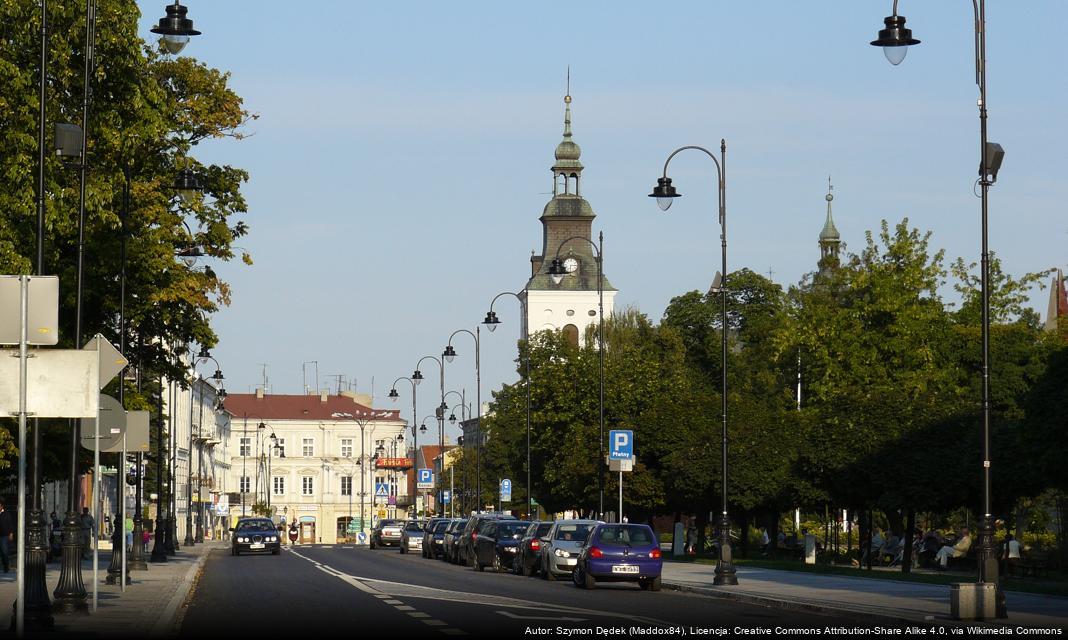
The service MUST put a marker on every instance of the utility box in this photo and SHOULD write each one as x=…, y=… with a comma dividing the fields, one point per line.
x=678, y=541
x=810, y=549
x=973, y=600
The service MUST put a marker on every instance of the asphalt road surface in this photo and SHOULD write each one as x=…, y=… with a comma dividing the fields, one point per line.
x=342, y=591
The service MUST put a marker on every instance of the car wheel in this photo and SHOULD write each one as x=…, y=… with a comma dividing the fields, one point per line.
x=497, y=563
x=237, y=552
x=527, y=570
x=276, y=552
x=654, y=584
x=402, y=549
x=576, y=578
x=588, y=581
x=479, y=566
x=549, y=575
x=233, y=551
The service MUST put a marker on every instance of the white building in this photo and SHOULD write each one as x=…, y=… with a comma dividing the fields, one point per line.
x=318, y=459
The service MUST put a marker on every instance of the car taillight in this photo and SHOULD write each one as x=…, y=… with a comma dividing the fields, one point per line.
x=655, y=554
x=535, y=545
x=596, y=553
x=473, y=536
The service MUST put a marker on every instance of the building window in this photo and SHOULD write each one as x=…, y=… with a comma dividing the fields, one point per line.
x=346, y=485
x=246, y=447
x=571, y=334
x=279, y=486
x=244, y=484
x=280, y=451
x=307, y=486
x=307, y=448
x=346, y=447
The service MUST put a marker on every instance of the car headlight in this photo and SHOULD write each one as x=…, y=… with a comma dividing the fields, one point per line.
x=272, y=539
x=242, y=539
x=560, y=553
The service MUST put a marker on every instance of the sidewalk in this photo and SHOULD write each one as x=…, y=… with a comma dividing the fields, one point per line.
x=886, y=601
x=150, y=607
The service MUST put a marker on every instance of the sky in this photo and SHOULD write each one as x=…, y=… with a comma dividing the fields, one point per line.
x=401, y=158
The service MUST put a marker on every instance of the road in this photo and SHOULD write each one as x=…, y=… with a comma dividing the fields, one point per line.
x=341, y=589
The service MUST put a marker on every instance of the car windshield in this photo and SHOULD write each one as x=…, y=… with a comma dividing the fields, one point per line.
x=511, y=529
x=543, y=530
x=630, y=535
x=459, y=526
x=255, y=525
x=389, y=523
x=573, y=532
x=441, y=526
x=414, y=525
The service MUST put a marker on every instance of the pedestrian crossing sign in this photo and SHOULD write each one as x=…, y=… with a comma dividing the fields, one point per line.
x=381, y=490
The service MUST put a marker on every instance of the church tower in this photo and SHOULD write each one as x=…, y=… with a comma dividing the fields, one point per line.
x=830, y=239
x=567, y=225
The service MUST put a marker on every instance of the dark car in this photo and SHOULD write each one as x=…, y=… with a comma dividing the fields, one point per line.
x=428, y=533
x=386, y=532
x=528, y=551
x=620, y=553
x=452, y=540
x=437, y=539
x=470, y=534
x=496, y=543
x=254, y=535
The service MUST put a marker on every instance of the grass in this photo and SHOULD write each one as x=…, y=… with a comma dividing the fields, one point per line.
x=1054, y=585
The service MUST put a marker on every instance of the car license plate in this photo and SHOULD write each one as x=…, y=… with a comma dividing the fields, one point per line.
x=624, y=568
x=256, y=545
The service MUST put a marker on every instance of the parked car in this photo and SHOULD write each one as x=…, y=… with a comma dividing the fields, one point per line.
x=560, y=548
x=453, y=535
x=620, y=553
x=254, y=535
x=496, y=543
x=437, y=538
x=470, y=534
x=412, y=536
x=428, y=533
x=386, y=533
x=528, y=552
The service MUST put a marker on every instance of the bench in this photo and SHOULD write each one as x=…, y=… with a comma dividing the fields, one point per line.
x=1034, y=564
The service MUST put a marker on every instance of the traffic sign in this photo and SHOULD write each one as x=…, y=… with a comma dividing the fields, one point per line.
x=446, y=496
x=42, y=313
x=425, y=479
x=381, y=490
x=620, y=444
x=506, y=490
x=361, y=537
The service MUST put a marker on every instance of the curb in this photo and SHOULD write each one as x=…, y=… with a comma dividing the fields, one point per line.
x=167, y=623
x=796, y=605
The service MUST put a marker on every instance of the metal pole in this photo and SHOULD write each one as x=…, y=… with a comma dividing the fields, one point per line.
x=200, y=467
x=363, y=479
x=244, y=456
x=20, y=568
x=189, y=541
x=478, y=422
x=526, y=340
x=159, y=548
x=619, y=518
x=600, y=366
x=452, y=492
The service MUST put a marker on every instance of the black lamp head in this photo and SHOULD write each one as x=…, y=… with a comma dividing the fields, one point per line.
x=187, y=184
x=449, y=354
x=417, y=377
x=452, y=418
x=422, y=428
x=895, y=39
x=664, y=192
x=393, y=395
x=175, y=29
x=204, y=353
x=557, y=271
x=217, y=376
x=491, y=320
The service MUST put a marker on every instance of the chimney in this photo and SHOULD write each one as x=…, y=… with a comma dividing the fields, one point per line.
x=323, y=396
x=259, y=393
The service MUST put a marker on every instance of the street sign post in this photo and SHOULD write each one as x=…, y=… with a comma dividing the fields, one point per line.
x=506, y=493
x=425, y=479
x=621, y=458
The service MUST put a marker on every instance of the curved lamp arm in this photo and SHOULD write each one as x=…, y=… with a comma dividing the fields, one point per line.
x=720, y=173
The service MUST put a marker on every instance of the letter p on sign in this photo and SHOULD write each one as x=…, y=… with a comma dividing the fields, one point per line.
x=621, y=445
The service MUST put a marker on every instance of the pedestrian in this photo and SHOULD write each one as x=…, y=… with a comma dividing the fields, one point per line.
x=7, y=535
x=88, y=525
x=128, y=526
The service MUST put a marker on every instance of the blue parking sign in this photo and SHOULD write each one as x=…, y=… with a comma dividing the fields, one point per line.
x=446, y=496
x=425, y=479
x=506, y=490
x=621, y=445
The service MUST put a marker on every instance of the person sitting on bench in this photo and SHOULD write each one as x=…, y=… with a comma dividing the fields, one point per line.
x=958, y=550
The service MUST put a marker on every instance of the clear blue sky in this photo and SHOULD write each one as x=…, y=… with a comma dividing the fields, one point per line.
x=401, y=159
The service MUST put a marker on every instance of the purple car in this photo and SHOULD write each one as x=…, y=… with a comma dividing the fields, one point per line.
x=620, y=553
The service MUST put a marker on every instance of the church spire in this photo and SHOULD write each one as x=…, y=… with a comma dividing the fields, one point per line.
x=567, y=165
x=830, y=239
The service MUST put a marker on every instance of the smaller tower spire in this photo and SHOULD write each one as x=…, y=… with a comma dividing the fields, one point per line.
x=567, y=167
x=830, y=239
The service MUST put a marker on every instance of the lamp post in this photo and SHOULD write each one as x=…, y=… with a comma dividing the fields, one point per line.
x=465, y=414
x=449, y=354
x=558, y=270
x=361, y=418
x=491, y=323
x=664, y=193
x=393, y=395
x=203, y=356
x=895, y=40
x=440, y=411
x=265, y=462
x=422, y=429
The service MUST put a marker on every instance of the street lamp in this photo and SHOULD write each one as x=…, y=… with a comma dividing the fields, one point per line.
x=450, y=354
x=440, y=411
x=664, y=194
x=175, y=29
x=491, y=323
x=393, y=395
x=190, y=540
x=558, y=270
x=894, y=39
x=361, y=418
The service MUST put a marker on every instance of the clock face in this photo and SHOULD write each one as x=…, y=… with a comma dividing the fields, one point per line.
x=571, y=265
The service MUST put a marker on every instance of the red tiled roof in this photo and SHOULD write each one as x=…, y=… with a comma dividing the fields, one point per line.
x=297, y=407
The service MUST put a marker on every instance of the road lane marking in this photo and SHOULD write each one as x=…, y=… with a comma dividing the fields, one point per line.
x=509, y=614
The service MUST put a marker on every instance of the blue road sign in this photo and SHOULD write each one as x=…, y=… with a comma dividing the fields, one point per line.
x=381, y=490
x=506, y=490
x=446, y=496
x=425, y=479
x=620, y=445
